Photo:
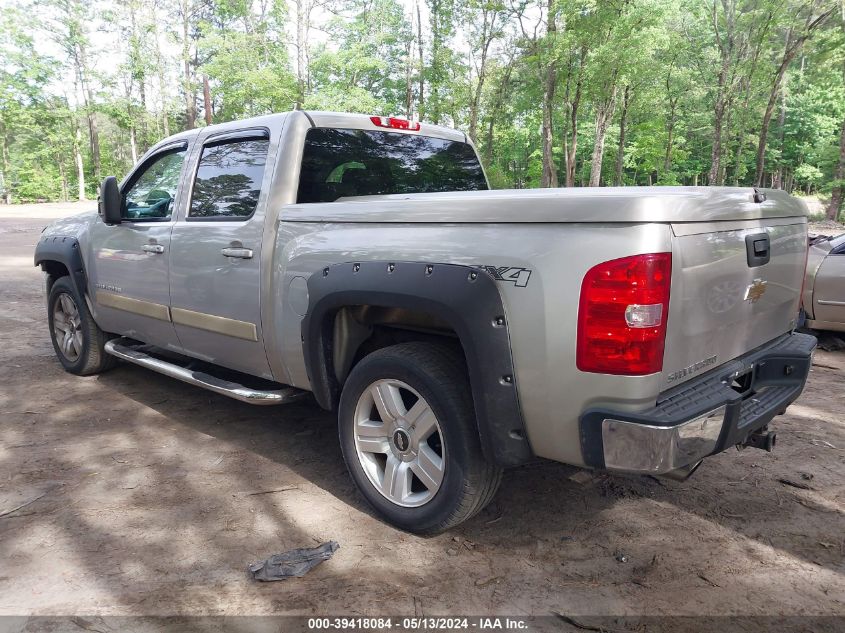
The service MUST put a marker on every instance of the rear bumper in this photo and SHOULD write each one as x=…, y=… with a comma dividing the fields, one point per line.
x=703, y=416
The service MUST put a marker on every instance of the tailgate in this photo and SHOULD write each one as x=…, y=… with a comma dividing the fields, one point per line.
x=724, y=300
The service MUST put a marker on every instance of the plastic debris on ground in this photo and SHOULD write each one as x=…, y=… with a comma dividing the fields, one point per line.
x=293, y=564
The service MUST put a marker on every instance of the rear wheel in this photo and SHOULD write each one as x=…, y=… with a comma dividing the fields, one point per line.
x=408, y=433
x=78, y=341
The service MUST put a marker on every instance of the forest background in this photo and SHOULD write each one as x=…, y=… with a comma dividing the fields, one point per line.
x=552, y=92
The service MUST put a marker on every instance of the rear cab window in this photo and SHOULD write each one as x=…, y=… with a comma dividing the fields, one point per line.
x=341, y=163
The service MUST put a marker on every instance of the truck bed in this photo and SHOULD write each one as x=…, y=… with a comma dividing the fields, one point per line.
x=595, y=204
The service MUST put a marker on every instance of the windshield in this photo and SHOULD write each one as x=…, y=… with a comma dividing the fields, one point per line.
x=339, y=163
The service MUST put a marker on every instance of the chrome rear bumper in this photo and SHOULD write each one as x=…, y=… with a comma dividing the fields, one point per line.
x=635, y=447
x=703, y=416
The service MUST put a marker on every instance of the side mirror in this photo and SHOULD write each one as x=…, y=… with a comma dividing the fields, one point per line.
x=110, y=203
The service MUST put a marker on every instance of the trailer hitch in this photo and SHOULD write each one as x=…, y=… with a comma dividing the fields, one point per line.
x=762, y=439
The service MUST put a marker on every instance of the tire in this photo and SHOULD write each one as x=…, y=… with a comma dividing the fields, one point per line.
x=78, y=341
x=441, y=478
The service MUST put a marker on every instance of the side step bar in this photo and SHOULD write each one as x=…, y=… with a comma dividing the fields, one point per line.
x=122, y=349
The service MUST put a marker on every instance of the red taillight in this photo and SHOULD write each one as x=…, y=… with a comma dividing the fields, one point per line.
x=396, y=124
x=622, y=315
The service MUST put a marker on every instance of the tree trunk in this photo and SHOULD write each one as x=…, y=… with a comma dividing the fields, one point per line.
x=476, y=100
x=206, y=100
x=670, y=139
x=409, y=89
x=190, y=102
x=80, y=166
x=670, y=121
x=549, y=76
x=838, y=193
x=436, y=70
x=95, y=143
x=5, y=180
x=781, y=135
x=767, y=117
x=497, y=104
x=300, y=53
x=190, y=105
x=792, y=48
x=716, y=152
x=604, y=113
x=63, y=176
x=572, y=146
x=80, y=60
x=420, y=99
x=620, y=152
x=160, y=71
x=719, y=107
x=737, y=158
x=549, y=177
x=133, y=145
x=487, y=36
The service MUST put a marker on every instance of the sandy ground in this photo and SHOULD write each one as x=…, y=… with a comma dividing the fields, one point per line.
x=147, y=496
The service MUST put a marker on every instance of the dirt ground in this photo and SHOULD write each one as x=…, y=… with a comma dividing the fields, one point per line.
x=145, y=496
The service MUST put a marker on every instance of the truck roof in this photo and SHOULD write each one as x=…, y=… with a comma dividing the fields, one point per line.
x=318, y=118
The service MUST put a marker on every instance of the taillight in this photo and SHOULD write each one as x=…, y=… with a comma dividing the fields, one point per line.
x=622, y=315
x=396, y=124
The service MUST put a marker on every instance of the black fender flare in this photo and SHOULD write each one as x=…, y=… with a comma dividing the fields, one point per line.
x=66, y=251
x=465, y=297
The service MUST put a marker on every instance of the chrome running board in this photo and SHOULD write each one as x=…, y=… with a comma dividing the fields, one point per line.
x=124, y=350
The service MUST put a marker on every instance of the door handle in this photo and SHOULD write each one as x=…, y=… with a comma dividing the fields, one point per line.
x=239, y=253
x=153, y=248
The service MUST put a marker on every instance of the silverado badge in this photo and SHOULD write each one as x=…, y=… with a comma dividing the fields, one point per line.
x=755, y=290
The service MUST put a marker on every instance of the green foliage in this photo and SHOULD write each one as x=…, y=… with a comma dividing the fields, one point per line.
x=122, y=75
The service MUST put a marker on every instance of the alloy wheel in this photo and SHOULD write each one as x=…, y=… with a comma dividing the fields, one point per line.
x=67, y=327
x=399, y=443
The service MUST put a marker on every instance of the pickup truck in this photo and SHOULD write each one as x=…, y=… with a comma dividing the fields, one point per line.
x=457, y=331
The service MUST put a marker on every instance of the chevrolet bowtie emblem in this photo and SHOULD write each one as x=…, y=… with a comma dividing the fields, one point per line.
x=756, y=290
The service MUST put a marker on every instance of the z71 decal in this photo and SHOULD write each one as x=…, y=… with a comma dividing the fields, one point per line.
x=517, y=276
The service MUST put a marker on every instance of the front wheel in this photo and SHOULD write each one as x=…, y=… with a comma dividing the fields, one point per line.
x=409, y=438
x=77, y=339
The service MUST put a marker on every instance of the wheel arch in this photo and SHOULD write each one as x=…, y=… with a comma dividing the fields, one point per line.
x=59, y=256
x=460, y=302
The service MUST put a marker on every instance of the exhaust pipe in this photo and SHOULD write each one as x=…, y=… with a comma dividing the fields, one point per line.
x=761, y=439
x=683, y=473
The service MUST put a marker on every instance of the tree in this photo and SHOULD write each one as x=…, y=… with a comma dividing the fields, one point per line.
x=794, y=41
x=246, y=60
x=539, y=39
x=837, y=195
x=486, y=19
x=70, y=20
x=740, y=91
x=735, y=27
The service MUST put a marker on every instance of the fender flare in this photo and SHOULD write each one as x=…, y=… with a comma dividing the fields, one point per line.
x=465, y=297
x=67, y=252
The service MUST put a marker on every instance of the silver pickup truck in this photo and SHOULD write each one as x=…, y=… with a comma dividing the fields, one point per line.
x=456, y=331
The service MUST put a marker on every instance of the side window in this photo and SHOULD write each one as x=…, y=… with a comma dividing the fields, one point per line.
x=228, y=180
x=151, y=193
